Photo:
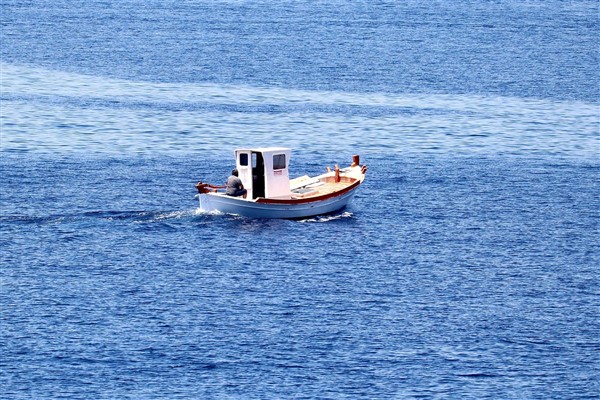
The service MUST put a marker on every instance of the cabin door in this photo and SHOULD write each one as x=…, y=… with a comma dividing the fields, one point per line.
x=245, y=170
x=258, y=175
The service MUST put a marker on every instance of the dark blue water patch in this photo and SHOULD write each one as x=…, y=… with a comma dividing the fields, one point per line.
x=465, y=276
x=447, y=276
x=507, y=48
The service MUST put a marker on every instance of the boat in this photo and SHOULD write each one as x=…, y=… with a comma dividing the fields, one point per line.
x=264, y=172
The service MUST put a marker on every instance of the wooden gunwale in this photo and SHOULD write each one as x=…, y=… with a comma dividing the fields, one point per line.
x=331, y=189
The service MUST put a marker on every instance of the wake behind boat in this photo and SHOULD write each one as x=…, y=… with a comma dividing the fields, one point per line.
x=264, y=173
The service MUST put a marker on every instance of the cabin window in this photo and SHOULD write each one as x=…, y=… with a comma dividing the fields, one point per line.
x=279, y=161
x=244, y=159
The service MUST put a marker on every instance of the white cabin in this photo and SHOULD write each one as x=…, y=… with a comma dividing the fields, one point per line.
x=264, y=171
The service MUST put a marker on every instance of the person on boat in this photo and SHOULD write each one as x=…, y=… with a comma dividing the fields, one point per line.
x=234, y=185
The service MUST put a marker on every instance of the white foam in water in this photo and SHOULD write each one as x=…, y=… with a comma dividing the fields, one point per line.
x=149, y=217
x=328, y=218
x=174, y=215
x=200, y=211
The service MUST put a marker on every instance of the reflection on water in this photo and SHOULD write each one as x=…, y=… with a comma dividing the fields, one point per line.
x=50, y=111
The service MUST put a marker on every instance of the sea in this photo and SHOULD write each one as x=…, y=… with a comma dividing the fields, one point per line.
x=466, y=266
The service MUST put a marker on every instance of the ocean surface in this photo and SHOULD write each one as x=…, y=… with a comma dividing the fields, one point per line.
x=467, y=265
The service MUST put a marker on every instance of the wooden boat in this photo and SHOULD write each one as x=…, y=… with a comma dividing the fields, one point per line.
x=264, y=172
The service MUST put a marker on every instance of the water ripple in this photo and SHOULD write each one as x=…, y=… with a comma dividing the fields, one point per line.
x=49, y=111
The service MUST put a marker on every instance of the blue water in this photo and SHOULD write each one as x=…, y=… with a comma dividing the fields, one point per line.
x=467, y=266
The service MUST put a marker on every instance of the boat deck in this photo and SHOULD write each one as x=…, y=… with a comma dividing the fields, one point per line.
x=326, y=186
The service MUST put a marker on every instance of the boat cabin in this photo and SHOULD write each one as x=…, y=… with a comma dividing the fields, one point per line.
x=264, y=171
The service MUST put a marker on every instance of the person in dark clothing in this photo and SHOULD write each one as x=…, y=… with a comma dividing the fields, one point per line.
x=234, y=185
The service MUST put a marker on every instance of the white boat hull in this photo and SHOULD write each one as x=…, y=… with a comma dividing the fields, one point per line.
x=250, y=208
